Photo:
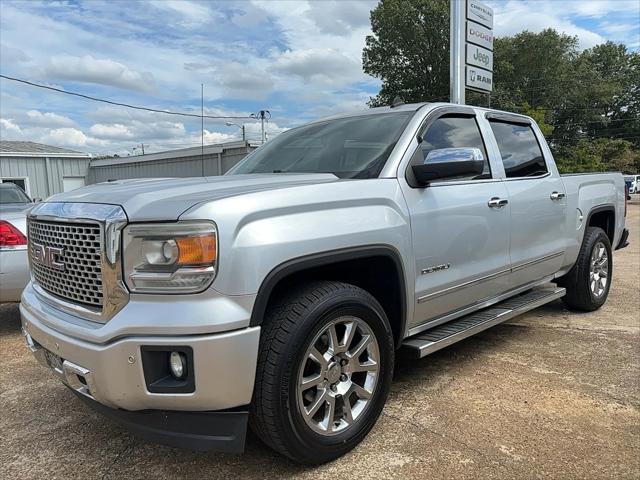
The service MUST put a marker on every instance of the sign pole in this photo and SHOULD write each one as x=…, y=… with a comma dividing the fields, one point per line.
x=457, y=53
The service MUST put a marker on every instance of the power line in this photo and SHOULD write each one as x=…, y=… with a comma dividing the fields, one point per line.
x=95, y=99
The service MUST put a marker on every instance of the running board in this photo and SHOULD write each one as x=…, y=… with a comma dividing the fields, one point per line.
x=451, y=332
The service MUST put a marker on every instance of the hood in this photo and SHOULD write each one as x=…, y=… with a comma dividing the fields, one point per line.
x=167, y=198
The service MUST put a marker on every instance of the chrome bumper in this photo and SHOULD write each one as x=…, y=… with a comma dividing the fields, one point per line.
x=113, y=375
x=74, y=376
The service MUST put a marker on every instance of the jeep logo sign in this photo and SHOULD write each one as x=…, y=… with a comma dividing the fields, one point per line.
x=480, y=57
x=479, y=79
x=479, y=12
x=479, y=35
x=48, y=256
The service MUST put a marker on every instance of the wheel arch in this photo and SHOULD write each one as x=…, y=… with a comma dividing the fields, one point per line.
x=604, y=217
x=341, y=265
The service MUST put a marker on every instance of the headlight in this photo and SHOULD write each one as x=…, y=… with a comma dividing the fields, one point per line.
x=170, y=257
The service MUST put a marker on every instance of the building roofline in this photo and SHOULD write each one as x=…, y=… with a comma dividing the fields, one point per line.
x=169, y=154
x=45, y=154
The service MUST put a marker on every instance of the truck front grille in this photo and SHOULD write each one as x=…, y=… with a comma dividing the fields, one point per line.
x=66, y=260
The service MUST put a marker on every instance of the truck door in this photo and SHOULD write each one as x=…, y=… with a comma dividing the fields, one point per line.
x=459, y=227
x=537, y=200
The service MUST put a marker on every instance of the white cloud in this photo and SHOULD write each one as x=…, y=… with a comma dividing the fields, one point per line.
x=340, y=17
x=319, y=66
x=8, y=128
x=11, y=54
x=243, y=81
x=514, y=16
x=99, y=71
x=46, y=119
x=189, y=13
x=250, y=15
x=115, y=131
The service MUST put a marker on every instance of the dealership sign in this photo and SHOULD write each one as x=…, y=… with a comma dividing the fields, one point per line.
x=479, y=57
x=479, y=46
x=479, y=35
x=480, y=13
x=479, y=79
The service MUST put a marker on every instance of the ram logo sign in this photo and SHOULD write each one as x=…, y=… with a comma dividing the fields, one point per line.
x=479, y=79
x=48, y=256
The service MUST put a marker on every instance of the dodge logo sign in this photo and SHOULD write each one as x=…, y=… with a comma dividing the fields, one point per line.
x=48, y=256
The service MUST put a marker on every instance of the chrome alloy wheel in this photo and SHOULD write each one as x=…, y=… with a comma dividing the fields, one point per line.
x=338, y=375
x=599, y=270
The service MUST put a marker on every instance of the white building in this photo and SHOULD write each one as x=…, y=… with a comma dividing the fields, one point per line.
x=42, y=170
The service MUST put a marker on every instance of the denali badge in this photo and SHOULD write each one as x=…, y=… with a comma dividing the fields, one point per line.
x=47, y=256
x=435, y=268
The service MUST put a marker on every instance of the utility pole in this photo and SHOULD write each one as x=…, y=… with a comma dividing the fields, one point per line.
x=457, y=53
x=202, y=126
x=139, y=146
x=262, y=115
x=231, y=124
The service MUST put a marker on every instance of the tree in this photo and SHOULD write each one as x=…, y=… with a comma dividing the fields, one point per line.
x=602, y=154
x=409, y=50
x=579, y=98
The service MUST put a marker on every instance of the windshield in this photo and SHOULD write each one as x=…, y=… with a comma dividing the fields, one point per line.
x=12, y=194
x=352, y=147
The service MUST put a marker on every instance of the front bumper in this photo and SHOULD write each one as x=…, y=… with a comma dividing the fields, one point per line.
x=110, y=377
x=224, y=364
x=222, y=431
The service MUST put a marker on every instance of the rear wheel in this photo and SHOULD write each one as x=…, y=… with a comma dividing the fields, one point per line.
x=589, y=280
x=324, y=371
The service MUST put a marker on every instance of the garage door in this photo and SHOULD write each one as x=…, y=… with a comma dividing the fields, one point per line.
x=72, y=183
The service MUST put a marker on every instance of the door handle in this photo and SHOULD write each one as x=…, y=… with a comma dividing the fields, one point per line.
x=556, y=195
x=497, y=202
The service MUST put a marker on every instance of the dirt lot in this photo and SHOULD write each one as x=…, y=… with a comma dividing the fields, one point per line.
x=550, y=394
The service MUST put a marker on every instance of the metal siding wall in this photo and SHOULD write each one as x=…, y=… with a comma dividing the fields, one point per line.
x=175, y=167
x=32, y=168
x=35, y=169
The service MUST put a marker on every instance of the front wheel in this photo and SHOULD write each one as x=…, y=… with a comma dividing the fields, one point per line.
x=589, y=280
x=324, y=371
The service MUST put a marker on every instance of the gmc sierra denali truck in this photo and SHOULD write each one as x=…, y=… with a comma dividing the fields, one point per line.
x=278, y=295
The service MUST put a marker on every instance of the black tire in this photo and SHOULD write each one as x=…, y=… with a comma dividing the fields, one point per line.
x=579, y=294
x=289, y=327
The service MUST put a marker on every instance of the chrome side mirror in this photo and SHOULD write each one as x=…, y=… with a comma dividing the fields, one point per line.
x=446, y=163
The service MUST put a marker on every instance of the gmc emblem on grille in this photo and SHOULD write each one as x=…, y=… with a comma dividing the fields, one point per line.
x=48, y=256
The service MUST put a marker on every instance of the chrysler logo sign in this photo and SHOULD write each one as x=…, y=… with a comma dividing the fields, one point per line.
x=480, y=13
x=48, y=256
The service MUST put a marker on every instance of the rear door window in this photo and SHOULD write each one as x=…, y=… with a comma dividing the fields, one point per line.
x=519, y=148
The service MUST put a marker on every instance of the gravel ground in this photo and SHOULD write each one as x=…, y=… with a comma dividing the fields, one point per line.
x=550, y=394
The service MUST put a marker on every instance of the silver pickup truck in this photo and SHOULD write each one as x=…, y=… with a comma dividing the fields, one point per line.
x=278, y=295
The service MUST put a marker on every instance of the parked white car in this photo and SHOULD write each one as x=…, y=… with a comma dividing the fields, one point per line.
x=14, y=264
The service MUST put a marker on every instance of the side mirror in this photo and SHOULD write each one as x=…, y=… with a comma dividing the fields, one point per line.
x=449, y=163
x=37, y=200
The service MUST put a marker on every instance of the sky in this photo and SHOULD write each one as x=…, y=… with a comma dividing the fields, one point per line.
x=299, y=59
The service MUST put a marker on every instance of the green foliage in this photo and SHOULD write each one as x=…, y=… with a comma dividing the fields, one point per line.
x=599, y=155
x=409, y=50
x=587, y=103
x=539, y=115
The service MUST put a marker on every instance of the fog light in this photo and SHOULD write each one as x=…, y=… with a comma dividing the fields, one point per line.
x=178, y=364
